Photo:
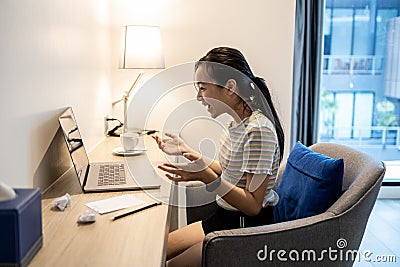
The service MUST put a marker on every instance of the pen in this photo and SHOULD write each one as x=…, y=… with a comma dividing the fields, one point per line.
x=147, y=132
x=134, y=211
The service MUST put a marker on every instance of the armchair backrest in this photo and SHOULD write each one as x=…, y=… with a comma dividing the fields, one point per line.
x=360, y=173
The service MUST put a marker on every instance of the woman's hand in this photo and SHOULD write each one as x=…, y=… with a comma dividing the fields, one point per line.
x=197, y=169
x=173, y=145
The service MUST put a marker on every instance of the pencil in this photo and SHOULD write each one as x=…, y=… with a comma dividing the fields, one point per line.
x=135, y=211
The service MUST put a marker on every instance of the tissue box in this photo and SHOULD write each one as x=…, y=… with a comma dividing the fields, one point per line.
x=20, y=227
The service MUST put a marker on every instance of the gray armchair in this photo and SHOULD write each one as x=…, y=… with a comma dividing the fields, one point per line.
x=328, y=239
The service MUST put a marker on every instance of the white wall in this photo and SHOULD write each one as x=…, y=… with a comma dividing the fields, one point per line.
x=65, y=53
x=53, y=54
x=262, y=29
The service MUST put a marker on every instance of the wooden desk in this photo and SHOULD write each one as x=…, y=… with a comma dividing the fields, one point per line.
x=135, y=240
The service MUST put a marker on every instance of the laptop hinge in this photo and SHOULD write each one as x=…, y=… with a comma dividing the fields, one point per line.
x=85, y=179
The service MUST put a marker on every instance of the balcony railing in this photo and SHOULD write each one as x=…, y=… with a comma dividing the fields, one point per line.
x=356, y=64
x=373, y=136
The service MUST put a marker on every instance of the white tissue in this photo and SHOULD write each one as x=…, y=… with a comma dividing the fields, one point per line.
x=87, y=217
x=62, y=202
x=6, y=192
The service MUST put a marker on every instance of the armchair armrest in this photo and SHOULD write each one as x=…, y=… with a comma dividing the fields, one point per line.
x=262, y=243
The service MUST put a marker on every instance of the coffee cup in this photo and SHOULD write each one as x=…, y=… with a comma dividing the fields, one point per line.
x=129, y=141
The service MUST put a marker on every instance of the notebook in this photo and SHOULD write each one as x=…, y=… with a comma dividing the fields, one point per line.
x=101, y=176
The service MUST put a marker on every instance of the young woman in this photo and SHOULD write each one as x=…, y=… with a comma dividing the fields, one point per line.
x=249, y=156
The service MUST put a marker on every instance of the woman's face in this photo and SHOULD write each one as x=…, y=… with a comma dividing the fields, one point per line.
x=212, y=96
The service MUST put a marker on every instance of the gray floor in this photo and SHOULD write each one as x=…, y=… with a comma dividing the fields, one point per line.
x=382, y=236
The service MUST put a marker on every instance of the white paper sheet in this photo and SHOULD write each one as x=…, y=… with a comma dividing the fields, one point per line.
x=114, y=203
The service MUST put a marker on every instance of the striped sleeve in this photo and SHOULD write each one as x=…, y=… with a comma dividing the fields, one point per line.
x=259, y=151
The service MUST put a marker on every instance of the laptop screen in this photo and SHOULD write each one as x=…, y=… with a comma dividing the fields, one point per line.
x=74, y=143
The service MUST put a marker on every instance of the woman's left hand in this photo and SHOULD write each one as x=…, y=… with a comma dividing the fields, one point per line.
x=197, y=169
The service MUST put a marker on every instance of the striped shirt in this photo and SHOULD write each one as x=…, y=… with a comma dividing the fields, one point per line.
x=250, y=147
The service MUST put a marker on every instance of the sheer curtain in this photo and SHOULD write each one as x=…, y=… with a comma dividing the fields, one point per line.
x=307, y=70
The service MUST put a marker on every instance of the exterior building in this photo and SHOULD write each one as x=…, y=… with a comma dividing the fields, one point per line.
x=360, y=85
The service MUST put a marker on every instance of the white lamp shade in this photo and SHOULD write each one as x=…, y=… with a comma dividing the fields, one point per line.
x=141, y=48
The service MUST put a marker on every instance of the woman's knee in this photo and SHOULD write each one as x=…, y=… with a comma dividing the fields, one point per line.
x=183, y=238
x=190, y=257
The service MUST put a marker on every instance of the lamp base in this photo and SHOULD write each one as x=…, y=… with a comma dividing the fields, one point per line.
x=116, y=133
x=116, y=130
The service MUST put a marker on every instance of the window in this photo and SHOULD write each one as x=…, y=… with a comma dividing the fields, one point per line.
x=360, y=83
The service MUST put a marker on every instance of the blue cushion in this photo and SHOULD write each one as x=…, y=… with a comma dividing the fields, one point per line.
x=310, y=184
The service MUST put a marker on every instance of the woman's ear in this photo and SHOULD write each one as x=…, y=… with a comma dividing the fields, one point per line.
x=231, y=86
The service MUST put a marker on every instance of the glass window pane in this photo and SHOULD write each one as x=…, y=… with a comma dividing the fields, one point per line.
x=327, y=108
x=363, y=110
x=382, y=18
x=327, y=22
x=327, y=34
x=361, y=32
x=343, y=115
x=342, y=22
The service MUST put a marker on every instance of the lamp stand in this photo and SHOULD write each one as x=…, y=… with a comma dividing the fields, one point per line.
x=125, y=98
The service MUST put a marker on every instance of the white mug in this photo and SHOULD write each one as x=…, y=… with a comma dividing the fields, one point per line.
x=129, y=141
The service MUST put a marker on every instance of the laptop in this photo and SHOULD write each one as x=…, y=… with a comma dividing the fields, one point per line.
x=103, y=176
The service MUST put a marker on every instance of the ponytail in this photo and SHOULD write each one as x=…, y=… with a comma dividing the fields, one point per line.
x=262, y=86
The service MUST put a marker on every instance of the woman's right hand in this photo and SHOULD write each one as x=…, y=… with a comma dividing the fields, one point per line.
x=173, y=145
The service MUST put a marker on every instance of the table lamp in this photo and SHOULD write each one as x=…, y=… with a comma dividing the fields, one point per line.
x=141, y=48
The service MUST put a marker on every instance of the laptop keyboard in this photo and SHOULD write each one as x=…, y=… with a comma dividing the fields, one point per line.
x=111, y=174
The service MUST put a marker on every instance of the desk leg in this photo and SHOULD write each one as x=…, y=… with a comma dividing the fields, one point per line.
x=173, y=208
